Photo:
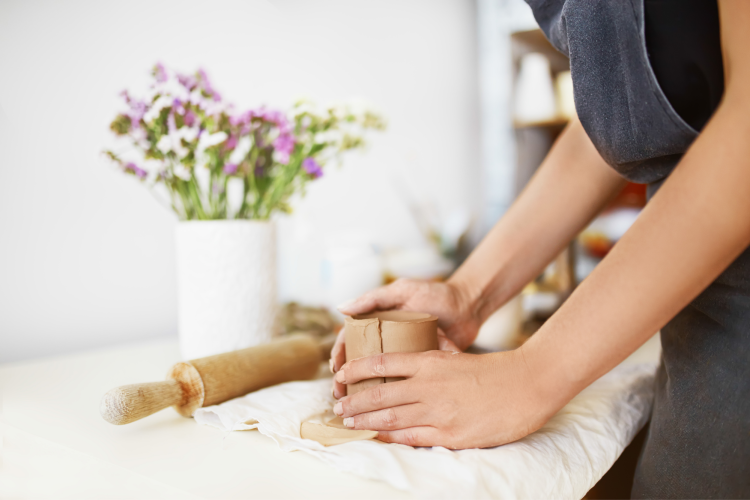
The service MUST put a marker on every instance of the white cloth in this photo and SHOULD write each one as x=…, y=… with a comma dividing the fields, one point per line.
x=563, y=459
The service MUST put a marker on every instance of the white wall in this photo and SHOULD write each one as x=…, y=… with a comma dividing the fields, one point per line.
x=86, y=254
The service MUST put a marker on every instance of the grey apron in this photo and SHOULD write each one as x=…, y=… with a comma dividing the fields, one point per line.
x=698, y=444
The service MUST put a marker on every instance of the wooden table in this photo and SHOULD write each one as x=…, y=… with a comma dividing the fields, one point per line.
x=55, y=445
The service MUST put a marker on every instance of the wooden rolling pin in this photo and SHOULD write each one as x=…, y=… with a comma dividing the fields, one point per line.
x=208, y=381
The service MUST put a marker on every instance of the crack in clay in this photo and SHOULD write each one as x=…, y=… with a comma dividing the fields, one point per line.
x=379, y=367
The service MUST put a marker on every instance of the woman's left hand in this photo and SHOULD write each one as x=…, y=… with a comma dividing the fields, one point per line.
x=447, y=399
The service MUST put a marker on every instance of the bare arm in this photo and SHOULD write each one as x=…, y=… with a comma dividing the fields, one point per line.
x=568, y=190
x=696, y=225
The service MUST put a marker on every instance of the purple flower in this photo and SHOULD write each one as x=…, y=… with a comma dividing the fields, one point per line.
x=187, y=81
x=271, y=115
x=230, y=168
x=312, y=167
x=231, y=143
x=137, y=109
x=206, y=84
x=242, y=118
x=189, y=118
x=160, y=73
x=284, y=145
x=282, y=157
x=135, y=169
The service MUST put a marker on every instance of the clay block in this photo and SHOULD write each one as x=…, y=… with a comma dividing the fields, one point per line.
x=387, y=331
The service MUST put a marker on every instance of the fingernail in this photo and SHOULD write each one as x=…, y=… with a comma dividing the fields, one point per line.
x=331, y=365
x=345, y=305
x=340, y=377
x=333, y=392
x=338, y=409
x=349, y=422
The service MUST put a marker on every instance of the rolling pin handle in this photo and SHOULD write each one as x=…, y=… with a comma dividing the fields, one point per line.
x=129, y=403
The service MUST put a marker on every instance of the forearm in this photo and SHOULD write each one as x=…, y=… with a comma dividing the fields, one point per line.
x=568, y=190
x=696, y=225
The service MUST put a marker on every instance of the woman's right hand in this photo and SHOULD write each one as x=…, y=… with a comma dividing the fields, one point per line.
x=457, y=324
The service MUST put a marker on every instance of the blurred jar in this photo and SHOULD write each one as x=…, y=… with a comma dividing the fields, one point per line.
x=500, y=331
x=566, y=106
x=535, y=93
x=422, y=263
x=350, y=267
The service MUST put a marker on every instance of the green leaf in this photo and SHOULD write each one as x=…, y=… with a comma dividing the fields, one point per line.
x=121, y=124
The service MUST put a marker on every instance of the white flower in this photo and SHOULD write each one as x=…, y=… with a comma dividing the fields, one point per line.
x=187, y=133
x=173, y=141
x=327, y=136
x=205, y=142
x=165, y=144
x=161, y=103
x=171, y=88
x=337, y=112
x=208, y=140
x=305, y=106
x=153, y=168
x=181, y=172
x=203, y=177
x=241, y=150
x=235, y=191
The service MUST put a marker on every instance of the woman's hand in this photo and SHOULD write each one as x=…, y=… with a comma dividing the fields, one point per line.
x=457, y=326
x=448, y=399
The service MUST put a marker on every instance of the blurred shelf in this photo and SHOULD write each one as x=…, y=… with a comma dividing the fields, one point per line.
x=523, y=42
x=554, y=123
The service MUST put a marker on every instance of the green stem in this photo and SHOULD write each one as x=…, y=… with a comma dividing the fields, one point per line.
x=180, y=188
x=192, y=186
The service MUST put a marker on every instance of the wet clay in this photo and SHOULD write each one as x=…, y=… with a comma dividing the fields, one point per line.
x=365, y=335
x=387, y=331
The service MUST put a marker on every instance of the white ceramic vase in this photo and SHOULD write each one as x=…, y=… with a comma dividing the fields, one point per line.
x=226, y=285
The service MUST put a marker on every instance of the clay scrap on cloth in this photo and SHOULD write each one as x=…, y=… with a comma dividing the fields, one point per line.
x=333, y=432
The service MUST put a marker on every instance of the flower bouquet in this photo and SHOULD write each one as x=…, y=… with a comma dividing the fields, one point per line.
x=184, y=137
x=225, y=173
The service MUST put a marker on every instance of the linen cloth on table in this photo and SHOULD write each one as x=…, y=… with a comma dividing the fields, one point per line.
x=563, y=459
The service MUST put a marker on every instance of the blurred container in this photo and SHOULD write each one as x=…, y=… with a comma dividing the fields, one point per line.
x=425, y=263
x=226, y=285
x=350, y=267
x=501, y=329
x=566, y=106
x=535, y=94
x=606, y=230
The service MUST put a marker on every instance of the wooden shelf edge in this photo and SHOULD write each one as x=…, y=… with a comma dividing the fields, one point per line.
x=556, y=122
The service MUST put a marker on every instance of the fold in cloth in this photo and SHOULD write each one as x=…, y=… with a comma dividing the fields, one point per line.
x=563, y=459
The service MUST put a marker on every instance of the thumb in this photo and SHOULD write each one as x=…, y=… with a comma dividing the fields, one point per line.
x=381, y=299
x=446, y=344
